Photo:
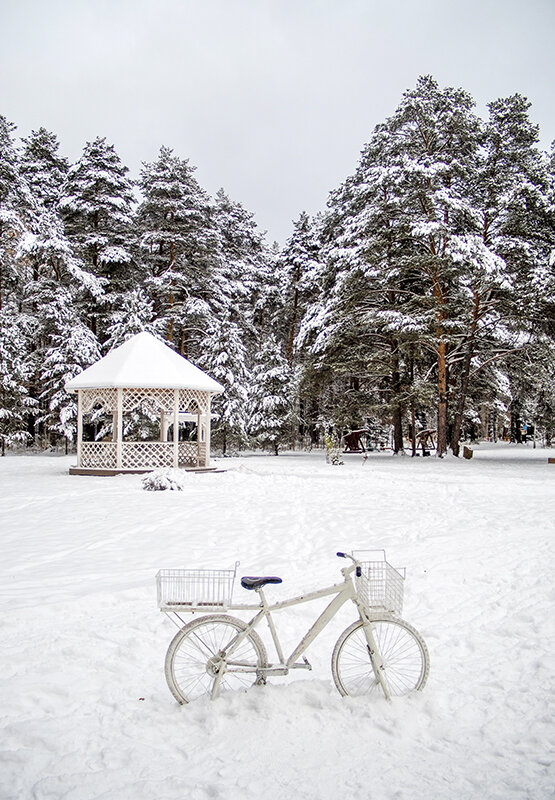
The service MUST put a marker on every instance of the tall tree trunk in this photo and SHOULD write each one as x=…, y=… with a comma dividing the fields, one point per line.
x=442, y=399
x=293, y=324
x=397, y=410
x=516, y=423
x=461, y=402
x=465, y=378
x=170, y=298
x=412, y=408
x=441, y=368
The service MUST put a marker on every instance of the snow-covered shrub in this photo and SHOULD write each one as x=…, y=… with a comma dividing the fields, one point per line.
x=162, y=479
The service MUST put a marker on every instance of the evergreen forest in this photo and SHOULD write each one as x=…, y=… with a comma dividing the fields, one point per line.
x=422, y=297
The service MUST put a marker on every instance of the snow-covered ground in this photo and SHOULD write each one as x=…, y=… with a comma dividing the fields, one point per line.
x=86, y=712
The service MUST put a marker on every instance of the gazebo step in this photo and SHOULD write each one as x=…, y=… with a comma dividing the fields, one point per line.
x=105, y=472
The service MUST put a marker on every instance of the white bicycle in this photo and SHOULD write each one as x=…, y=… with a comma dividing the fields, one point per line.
x=378, y=653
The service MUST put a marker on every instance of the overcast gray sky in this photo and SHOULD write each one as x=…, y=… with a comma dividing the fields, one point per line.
x=271, y=99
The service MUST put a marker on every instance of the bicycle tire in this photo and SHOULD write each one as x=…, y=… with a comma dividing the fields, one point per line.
x=402, y=649
x=189, y=672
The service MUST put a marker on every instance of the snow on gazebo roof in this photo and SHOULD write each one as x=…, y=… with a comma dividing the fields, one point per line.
x=143, y=362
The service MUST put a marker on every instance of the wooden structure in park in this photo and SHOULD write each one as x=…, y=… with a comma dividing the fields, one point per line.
x=354, y=441
x=143, y=374
x=426, y=440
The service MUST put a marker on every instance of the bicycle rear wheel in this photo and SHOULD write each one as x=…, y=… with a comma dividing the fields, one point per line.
x=402, y=650
x=195, y=654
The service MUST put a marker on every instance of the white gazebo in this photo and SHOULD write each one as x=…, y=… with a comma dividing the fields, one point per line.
x=144, y=374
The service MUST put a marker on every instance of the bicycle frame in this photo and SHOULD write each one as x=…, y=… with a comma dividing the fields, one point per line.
x=343, y=593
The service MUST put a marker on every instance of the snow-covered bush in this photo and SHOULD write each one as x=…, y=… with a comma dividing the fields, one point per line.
x=162, y=479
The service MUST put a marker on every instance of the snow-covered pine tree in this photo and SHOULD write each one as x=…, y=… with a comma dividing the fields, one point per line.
x=519, y=222
x=441, y=242
x=16, y=213
x=483, y=334
x=15, y=402
x=406, y=272
x=54, y=270
x=299, y=265
x=270, y=396
x=435, y=138
x=244, y=266
x=178, y=243
x=224, y=359
x=133, y=314
x=57, y=283
x=97, y=205
x=371, y=324
x=71, y=348
x=315, y=337
x=43, y=168
x=512, y=197
x=544, y=401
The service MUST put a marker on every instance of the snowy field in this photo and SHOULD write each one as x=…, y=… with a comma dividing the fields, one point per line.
x=86, y=712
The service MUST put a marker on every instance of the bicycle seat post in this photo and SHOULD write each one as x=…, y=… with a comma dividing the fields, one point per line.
x=262, y=596
x=271, y=625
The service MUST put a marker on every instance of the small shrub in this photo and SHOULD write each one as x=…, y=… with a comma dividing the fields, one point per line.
x=162, y=479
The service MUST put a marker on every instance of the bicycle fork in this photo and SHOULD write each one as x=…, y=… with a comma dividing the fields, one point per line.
x=376, y=659
x=218, y=679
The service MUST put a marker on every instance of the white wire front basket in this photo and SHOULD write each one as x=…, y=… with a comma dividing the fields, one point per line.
x=380, y=586
x=195, y=589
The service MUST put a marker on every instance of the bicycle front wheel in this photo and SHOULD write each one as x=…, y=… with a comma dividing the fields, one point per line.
x=198, y=652
x=403, y=652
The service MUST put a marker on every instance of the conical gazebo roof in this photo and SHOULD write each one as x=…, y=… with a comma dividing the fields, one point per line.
x=144, y=362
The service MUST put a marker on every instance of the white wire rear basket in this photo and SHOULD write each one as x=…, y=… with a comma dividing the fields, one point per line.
x=380, y=586
x=195, y=589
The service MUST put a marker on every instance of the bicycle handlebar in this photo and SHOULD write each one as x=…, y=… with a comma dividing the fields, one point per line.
x=355, y=562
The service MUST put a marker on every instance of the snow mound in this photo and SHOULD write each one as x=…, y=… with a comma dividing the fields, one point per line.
x=162, y=479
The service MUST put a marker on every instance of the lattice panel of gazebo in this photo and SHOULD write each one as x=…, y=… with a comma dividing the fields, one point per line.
x=145, y=455
x=188, y=454
x=192, y=397
x=98, y=455
x=154, y=399
x=107, y=398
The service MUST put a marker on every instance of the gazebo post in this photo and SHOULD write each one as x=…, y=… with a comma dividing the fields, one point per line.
x=119, y=420
x=208, y=429
x=79, y=425
x=176, y=427
x=115, y=423
x=162, y=418
x=199, y=433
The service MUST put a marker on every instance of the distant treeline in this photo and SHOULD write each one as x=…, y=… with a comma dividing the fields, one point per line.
x=423, y=297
